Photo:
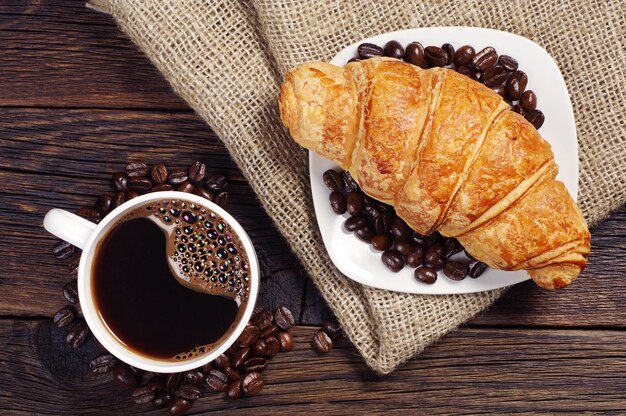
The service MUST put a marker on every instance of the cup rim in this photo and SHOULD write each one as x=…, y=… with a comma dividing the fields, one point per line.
x=98, y=326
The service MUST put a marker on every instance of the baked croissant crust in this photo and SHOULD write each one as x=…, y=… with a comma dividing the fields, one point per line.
x=448, y=154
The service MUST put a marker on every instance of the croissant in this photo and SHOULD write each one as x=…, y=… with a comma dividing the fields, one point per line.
x=448, y=154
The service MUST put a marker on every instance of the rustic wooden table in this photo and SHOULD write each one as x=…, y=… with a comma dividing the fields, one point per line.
x=78, y=100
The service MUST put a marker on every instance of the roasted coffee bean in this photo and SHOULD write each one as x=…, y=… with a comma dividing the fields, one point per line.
x=417, y=238
x=195, y=377
x=449, y=51
x=232, y=374
x=64, y=317
x=118, y=200
x=400, y=230
x=200, y=191
x=132, y=194
x=435, y=56
x=371, y=212
x=216, y=182
x=159, y=173
x=435, y=252
x=452, y=247
x=233, y=390
x=393, y=260
x=222, y=361
x=179, y=406
x=185, y=187
x=349, y=184
x=89, y=214
x=365, y=233
x=124, y=376
x=255, y=364
x=262, y=319
x=70, y=291
x=528, y=100
x=404, y=247
x=273, y=346
x=103, y=364
x=162, y=400
x=189, y=391
x=143, y=394
x=197, y=171
x=321, y=342
x=416, y=257
x=381, y=242
x=476, y=268
x=259, y=349
x=383, y=223
x=507, y=62
x=493, y=76
x=337, y=202
x=393, y=49
x=173, y=380
x=77, y=334
x=516, y=84
x=428, y=241
x=216, y=380
x=103, y=204
x=241, y=356
x=206, y=369
x=120, y=181
x=332, y=180
x=354, y=223
x=283, y=317
x=354, y=203
x=435, y=264
x=63, y=250
x=463, y=70
x=484, y=59
x=477, y=76
x=285, y=340
x=136, y=169
x=222, y=199
x=499, y=89
x=455, y=270
x=426, y=275
x=463, y=56
x=518, y=109
x=332, y=328
x=140, y=184
x=268, y=331
x=353, y=60
x=414, y=54
x=248, y=336
x=177, y=176
x=536, y=118
x=369, y=50
x=252, y=384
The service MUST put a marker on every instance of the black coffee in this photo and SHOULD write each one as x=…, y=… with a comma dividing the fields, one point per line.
x=171, y=280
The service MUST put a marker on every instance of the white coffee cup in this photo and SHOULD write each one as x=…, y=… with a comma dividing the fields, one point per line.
x=86, y=236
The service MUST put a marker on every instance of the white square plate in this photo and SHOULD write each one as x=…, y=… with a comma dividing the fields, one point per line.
x=358, y=260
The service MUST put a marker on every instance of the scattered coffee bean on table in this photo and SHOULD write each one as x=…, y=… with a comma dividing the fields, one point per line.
x=103, y=364
x=322, y=343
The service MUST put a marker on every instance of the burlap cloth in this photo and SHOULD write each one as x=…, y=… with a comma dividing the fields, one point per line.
x=226, y=58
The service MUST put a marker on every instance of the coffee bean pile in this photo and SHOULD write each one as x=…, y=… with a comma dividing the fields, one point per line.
x=236, y=373
x=322, y=341
x=377, y=224
x=498, y=72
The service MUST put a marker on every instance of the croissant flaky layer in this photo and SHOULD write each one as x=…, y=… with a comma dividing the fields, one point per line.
x=448, y=154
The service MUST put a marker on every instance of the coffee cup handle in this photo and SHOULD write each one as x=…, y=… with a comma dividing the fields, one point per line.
x=69, y=227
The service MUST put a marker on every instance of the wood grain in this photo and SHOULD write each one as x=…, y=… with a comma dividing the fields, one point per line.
x=477, y=371
x=64, y=158
x=58, y=53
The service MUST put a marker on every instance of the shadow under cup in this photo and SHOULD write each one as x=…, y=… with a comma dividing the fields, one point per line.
x=170, y=281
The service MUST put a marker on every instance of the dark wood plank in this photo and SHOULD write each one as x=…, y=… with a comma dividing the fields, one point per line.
x=58, y=53
x=490, y=371
x=62, y=158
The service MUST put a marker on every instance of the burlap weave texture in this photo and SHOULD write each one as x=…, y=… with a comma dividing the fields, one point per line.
x=226, y=59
